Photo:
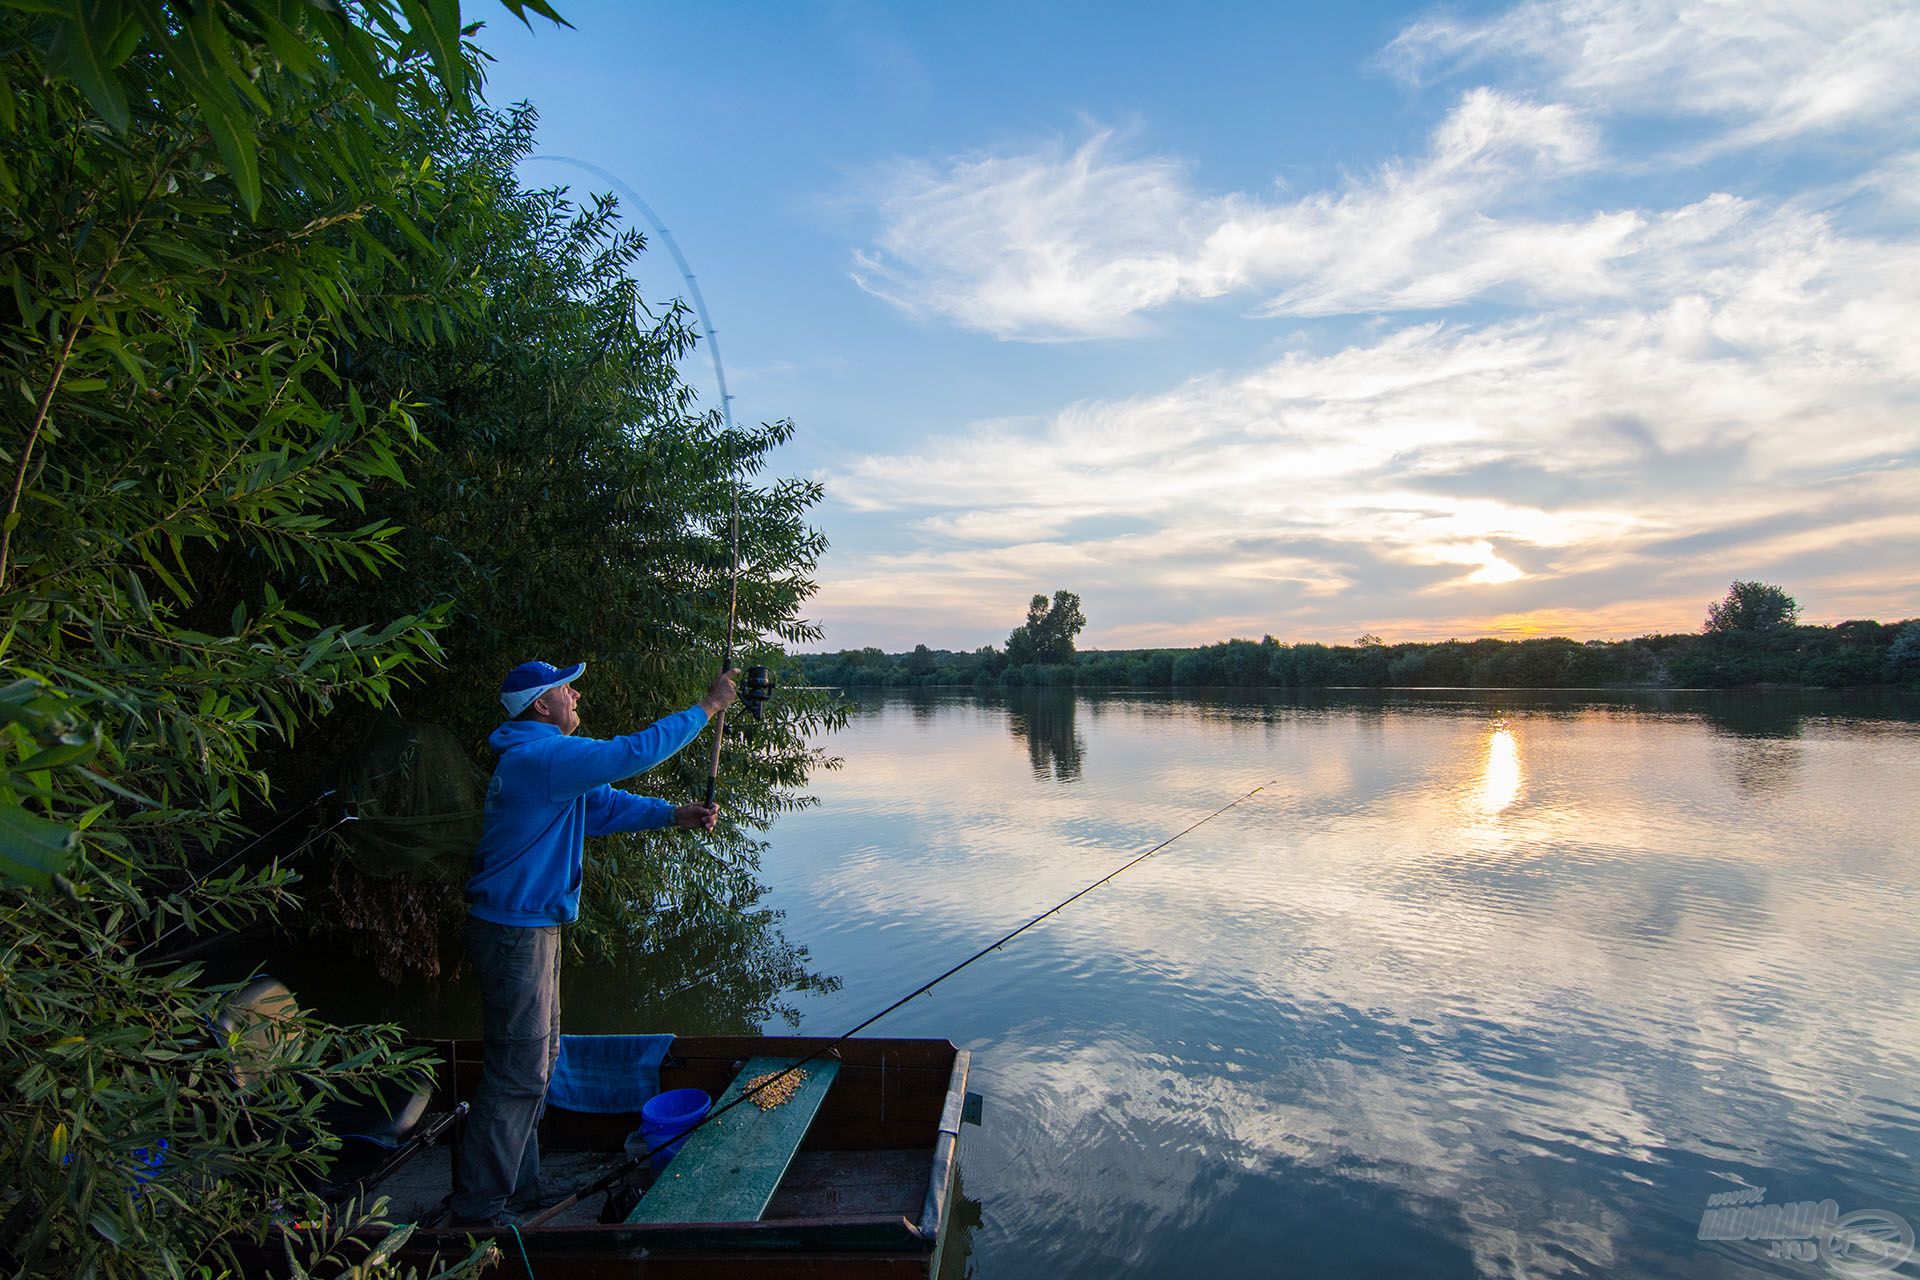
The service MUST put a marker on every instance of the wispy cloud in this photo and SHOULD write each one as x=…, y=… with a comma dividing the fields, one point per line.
x=1042, y=244
x=1772, y=69
x=1052, y=244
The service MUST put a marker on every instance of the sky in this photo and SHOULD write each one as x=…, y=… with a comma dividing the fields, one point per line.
x=1301, y=320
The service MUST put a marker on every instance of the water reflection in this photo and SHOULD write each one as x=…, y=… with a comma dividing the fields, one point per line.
x=1045, y=718
x=1761, y=764
x=956, y=1255
x=1326, y=1030
x=1500, y=778
x=1737, y=716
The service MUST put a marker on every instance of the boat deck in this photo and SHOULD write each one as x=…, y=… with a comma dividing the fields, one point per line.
x=867, y=1190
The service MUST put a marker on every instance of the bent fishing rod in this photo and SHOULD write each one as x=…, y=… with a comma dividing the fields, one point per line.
x=758, y=680
x=607, y=1181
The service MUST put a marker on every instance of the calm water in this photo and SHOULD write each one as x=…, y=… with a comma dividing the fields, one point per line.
x=1480, y=984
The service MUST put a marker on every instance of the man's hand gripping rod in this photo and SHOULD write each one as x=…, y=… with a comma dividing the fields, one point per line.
x=754, y=691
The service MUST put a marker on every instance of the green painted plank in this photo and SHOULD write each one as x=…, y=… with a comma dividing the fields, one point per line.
x=729, y=1169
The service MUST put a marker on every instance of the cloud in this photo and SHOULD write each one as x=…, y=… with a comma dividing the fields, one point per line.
x=1055, y=244
x=1052, y=243
x=1772, y=69
x=1045, y=243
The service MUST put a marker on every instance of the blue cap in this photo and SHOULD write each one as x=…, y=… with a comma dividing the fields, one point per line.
x=531, y=679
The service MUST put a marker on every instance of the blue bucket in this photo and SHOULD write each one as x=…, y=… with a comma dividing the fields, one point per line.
x=666, y=1117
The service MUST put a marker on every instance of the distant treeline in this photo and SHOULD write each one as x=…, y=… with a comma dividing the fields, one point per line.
x=1848, y=655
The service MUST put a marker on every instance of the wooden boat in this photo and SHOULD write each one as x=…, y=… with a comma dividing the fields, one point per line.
x=868, y=1188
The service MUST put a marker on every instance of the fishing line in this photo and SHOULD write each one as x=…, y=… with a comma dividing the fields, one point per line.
x=713, y=774
x=733, y=531
x=726, y=417
x=200, y=881
x=607, y=1180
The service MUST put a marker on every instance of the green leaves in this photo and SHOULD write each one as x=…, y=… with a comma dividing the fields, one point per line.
x=577, y=501
x=41, y=735
x=110, y=1061
x=90, y=42
x=286, y=322
x=186, y=193
x=33, y=850
x=1751, y=607
x=436, y=25
x=519, y=10
x=225, y=57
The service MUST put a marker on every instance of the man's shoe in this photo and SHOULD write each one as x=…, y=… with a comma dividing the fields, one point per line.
x=542, y=1195
x=498, y=1222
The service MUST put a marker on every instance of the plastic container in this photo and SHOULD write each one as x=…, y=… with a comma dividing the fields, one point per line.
x=665, y=1120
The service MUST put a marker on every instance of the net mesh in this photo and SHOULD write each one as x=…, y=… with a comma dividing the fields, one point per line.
x=416, y=800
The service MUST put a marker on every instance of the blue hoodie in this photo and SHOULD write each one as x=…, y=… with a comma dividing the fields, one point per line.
x=549, y=793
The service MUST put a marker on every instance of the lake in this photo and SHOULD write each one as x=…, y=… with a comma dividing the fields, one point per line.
x=1478, y=983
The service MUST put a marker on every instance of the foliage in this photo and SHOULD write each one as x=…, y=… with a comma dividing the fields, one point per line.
x=180, y=1140
x=1903, y=655
x=198, y=208
x=1750, y=638
x=1047, y=637
x=43, y=736
x=336, y=1246
x=1752, y=606
x=1849, y=655
x=180, y=414
x=223, y=61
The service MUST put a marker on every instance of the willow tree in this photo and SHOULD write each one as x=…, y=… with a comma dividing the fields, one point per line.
x=192, y=211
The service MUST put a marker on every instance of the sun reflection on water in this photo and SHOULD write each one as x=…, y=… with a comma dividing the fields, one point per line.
x=1500, y=780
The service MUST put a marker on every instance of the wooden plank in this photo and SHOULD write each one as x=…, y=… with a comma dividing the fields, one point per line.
x=729, y=1168
x=861, y=1050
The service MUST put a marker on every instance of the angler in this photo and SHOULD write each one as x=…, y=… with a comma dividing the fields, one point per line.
x=551, y=789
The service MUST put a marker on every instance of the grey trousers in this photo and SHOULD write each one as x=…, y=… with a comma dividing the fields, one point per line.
x=519, y=972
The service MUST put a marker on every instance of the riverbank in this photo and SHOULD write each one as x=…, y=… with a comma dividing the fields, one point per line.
x=1850, y=655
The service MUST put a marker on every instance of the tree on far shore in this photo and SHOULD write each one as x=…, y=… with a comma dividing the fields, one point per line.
x=1752, y=606
x=1048, y=635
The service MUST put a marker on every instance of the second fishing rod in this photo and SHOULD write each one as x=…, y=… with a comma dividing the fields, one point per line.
x=632, y=1164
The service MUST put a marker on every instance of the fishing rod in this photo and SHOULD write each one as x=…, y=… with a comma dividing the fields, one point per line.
x=201, y=881
x=606, y=1181
x=759, y=681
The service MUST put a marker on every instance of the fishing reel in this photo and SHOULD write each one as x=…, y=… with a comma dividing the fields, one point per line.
x=756, y=687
